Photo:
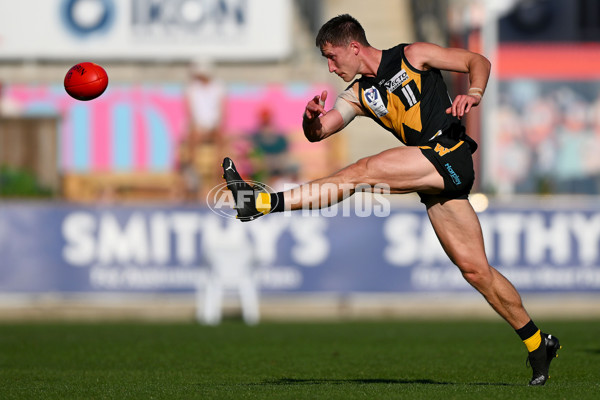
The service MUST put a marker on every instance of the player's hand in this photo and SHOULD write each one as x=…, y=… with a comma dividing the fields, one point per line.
x=462, y=104
x=316, y=106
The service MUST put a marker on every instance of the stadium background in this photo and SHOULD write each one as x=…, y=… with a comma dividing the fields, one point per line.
x=90, y=227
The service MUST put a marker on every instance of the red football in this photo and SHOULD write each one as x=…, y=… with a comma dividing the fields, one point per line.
x=86, y=81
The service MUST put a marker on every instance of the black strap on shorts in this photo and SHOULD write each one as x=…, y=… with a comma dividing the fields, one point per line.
x=458, y=133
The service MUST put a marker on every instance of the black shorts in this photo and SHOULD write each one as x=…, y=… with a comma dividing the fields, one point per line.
x=454, y=161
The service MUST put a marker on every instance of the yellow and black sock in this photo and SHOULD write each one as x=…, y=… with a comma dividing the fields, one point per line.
x=530, y=335
x=263, y=202
x=269, y=202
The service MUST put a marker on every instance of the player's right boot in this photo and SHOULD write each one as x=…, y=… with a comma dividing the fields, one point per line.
x=540, y=359
x=244, y=195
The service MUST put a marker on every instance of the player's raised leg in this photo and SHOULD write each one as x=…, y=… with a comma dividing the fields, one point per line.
x=415, y=173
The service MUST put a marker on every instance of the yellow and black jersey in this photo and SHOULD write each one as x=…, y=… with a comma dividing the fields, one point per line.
x=407, y=102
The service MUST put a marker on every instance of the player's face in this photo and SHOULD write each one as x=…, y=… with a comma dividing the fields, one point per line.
x=341, y=60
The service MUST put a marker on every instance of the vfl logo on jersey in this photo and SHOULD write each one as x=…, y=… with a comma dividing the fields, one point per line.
x=410, y=95
x=375, y=102
x=396, y=81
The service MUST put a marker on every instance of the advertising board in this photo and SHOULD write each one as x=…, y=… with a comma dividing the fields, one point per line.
x=65, y=248
x=145, y=29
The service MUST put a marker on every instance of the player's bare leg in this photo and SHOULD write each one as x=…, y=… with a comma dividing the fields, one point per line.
x=401, y=169
x=459, y=232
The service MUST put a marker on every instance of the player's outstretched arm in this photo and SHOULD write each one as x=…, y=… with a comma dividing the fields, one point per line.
x=319, y=124
x=428, y=55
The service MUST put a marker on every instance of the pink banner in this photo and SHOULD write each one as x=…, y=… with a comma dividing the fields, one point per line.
x=137, y=127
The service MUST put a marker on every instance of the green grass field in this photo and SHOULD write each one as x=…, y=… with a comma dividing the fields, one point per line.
x=353, y=360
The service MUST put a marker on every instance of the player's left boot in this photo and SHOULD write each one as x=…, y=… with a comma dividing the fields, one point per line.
x=244, y=195
x=540, y=359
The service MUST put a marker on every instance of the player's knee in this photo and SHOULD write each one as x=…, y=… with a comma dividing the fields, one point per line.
x=477, y=275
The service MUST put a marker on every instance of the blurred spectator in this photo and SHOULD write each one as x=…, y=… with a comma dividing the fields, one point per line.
x=270, y=152
x=557, y=126
x=539, y=122
x=573, y=137
x=592, y=162
x=200, y=151
x=513, y=159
